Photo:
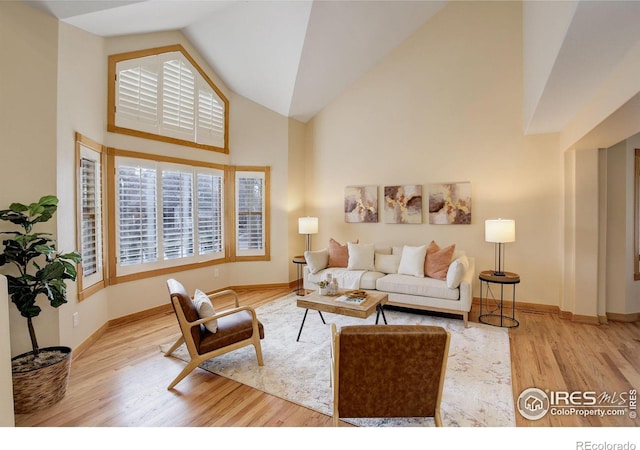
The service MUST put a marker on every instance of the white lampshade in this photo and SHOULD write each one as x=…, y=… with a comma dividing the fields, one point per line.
x=308, y=225
x=500, y=230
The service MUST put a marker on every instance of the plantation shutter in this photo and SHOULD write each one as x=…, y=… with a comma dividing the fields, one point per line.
x=166, y=95
x=178, y=100
x=210, y=127
x=137, y=220
x=90, y=215
x=209, y=198
x=250, y=214
x=177, y=214
x=137, y=95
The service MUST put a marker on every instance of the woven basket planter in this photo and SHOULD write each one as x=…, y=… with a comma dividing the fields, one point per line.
x=41, y=387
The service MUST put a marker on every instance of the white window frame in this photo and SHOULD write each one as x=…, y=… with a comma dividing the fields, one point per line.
x=162, y=261
x=89, y=150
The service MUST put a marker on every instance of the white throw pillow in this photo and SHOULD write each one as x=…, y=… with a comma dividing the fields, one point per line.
x=317, y=260
x=456, y=272
x=205, y=309
x=412, y=261
x=387, y=263
x=360, y=257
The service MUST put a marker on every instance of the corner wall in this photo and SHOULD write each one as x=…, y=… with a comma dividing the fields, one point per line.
x=82, y=103
x=28, y=134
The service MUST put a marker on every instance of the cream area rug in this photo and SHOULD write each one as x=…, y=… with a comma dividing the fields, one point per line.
x=477, y=388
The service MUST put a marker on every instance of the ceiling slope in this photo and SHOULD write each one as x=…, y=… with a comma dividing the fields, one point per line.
x=599, y=36
x=292, y=57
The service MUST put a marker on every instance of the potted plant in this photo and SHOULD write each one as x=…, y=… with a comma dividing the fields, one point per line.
x=39, y=376
x=322, y=285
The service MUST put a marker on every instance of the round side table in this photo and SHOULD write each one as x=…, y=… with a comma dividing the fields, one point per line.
x=491, y=317
x=299, y=261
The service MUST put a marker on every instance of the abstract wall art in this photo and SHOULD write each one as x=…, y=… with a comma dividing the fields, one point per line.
x=450, y=203
x=403, y=204
x=361, y=204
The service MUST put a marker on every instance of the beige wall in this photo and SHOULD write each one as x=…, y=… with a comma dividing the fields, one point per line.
x=296, y=192
x=447, y=106
x=28, y=91
x=617, y=233
x=632, y=302
x=260, y=137
x=82, y=77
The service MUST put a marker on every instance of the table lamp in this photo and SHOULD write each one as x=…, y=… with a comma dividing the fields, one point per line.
x=499, y=231
x=308, y=226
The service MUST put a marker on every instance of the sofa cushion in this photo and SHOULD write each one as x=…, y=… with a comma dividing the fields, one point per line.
x=317, y=259
x=456, y=271
x=425, y=287
x=370, y=279
x=205, y=309
x=437, y=261
x=412, y=260
x=387, y=263
x=338, y=254
x=360, y=256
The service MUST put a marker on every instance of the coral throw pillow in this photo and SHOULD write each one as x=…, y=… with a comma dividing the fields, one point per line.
x=436, y=264
x=338, y=254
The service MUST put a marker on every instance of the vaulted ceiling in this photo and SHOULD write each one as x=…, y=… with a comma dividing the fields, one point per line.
x=294, y=57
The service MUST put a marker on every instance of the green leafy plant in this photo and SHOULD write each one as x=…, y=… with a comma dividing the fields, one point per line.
x=323, y=284
x=42, y=270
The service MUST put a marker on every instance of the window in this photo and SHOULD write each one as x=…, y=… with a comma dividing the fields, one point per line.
x=163, y=94
x=251, y=188
x=167, y=214
x=91, y=275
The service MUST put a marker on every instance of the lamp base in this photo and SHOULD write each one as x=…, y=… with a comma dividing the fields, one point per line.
x=499, y=274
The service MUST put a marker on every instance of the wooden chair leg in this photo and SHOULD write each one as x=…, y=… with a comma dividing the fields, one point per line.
x=186, y=371
x=438, y=418
x=175, y=345
x=258, y=348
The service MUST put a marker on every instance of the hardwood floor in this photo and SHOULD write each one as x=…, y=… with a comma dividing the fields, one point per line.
x=120, y=381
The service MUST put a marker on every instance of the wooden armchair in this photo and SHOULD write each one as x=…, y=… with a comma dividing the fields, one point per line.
x=237, y=327
x=388, y=371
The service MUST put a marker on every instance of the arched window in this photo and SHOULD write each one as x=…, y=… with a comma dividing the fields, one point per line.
x=163, y=94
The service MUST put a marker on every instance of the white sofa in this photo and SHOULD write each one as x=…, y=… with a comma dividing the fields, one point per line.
x=386, y=269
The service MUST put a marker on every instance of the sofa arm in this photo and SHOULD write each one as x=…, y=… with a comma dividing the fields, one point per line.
x=466, y=286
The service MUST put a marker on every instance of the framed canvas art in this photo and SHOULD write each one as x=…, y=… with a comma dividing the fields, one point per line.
x=450, y=203
x=403, y=204
x=361, y=204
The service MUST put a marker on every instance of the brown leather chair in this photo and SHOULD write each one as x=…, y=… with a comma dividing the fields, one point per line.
x=388, y=371
x=237, y=327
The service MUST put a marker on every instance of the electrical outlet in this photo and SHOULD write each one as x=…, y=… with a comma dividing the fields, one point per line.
x=76, y=320
x=216, y=272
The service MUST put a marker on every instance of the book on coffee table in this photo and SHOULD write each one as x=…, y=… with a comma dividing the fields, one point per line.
x=352, y=300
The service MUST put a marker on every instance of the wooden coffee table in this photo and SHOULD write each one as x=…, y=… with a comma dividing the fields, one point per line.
x=374, y=302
